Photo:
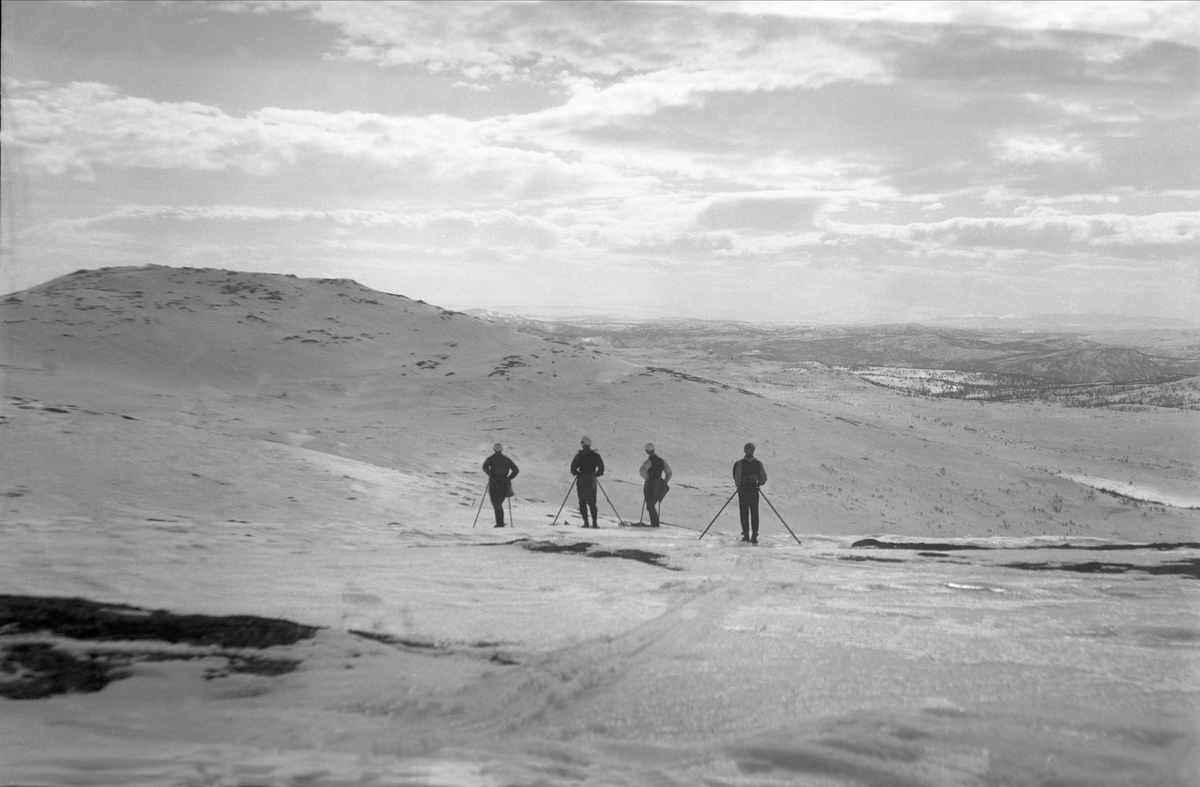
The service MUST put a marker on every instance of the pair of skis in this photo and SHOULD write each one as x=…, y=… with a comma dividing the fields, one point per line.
x=598, y=486
x=764, y=497
x=622, y=521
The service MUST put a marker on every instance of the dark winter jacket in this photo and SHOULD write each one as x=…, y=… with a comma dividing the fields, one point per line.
x=501, y=467
x=587, y=462
x=749, y=472
x=655, y=467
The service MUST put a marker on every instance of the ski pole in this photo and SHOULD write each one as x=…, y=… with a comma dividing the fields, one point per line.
x=564, y=502
x=714, y=519
x=643, y=511
x=511, y=522
x=785, y=524
x=610, y=503
x=485, y=492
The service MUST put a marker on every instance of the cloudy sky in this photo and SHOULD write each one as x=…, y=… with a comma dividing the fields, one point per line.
x=795, y=162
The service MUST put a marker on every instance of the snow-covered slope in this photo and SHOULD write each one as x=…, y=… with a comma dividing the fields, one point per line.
x=228, y=444
x=337, y=368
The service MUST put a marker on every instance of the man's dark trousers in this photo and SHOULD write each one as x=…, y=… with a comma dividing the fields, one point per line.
x=498, y=491
x=748, y=509
x=650, y=495
x=586, y=486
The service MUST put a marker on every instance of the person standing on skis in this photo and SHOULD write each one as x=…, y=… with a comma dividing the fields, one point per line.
x=656, y=473
x=748, y=475
x=501, y=471
x=587, y=466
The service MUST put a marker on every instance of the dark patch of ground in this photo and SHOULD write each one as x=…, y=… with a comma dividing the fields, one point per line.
x=1186, y=567
x=927, y=547
x=578, y=548
x=434, y=649
x=252, y=665
x=36, y=670
x=80, y=618
x=641, y=555
x=861, y=559
x=33, y=670
x=585, y=548
x=389, y=639
x=702, y=380
x=510, y=362
x=1189, y=568
x=918, y=545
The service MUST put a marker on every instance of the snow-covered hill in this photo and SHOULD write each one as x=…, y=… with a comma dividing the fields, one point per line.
x=334, y=367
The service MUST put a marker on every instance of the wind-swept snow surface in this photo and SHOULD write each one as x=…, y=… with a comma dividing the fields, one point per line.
x=996, y=624
x=460, y=656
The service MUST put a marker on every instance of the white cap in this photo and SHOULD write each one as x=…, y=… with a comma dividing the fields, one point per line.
x=649, y=447
x=586, y=440
x=497, y=447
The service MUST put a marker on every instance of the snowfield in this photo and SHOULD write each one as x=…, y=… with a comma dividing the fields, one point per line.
x=778, y=664
x=963, y=608
x=930, y=382
x=1137, y=492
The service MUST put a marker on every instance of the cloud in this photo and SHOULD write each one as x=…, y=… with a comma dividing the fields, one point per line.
x=693, y=247
x=559, y=42
x=1174, y=233
x=758, y=213
x=1035, y=149
x=611, y=60
x=432, y=228
x=811, y=64
x=1168, y=20
x=75, y=129
x=752, y=136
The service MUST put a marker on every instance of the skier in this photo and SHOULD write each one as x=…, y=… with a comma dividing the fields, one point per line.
x=656, y=473
x=587, y=466
x=501, y=471
x=748, y=475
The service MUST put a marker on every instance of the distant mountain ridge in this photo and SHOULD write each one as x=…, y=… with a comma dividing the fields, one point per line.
x=1059, y=356
x=251, y=326
x=1077, y=323
x=1087, y=322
